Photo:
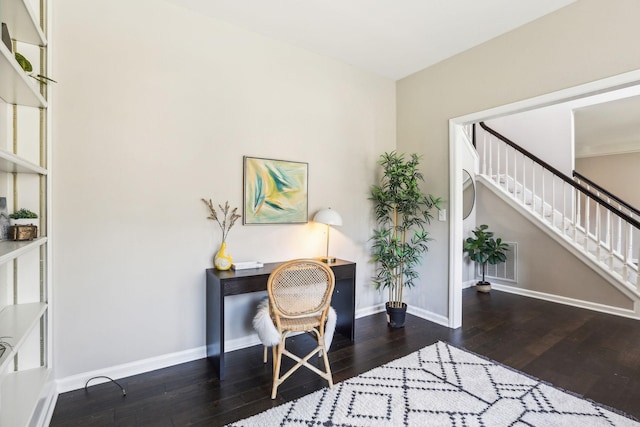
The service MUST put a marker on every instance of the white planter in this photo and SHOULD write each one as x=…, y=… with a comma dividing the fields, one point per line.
x=24, y=221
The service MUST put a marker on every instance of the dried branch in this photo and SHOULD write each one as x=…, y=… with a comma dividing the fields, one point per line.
x=227, y=220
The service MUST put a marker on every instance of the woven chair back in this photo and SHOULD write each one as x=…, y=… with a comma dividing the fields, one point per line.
x=301, y=288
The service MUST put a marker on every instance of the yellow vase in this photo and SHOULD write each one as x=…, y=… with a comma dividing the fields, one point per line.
x=222, y=260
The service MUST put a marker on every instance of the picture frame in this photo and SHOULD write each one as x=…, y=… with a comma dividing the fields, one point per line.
x=275, y=191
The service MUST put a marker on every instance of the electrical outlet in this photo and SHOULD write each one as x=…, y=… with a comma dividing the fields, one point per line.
x=442, y=215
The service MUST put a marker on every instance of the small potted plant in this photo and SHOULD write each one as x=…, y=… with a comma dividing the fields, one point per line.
x=22, y=217
x=484, y=249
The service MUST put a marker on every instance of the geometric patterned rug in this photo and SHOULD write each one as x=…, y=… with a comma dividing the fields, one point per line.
x=439, y=385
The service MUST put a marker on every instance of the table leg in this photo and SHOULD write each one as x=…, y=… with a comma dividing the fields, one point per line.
x=215, y=324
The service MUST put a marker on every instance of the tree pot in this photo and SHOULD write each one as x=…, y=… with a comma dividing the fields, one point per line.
x=396, y=315
x=484, y=287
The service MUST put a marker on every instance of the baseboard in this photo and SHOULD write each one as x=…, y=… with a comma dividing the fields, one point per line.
x=469, y=284
x=242, y=342
x=75, y=382
x=617, y=311
x=428, y=315
x=418, y=312
x=368, y=311
x=47, y=403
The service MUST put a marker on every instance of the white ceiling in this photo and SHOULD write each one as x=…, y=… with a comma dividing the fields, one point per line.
x=389, y=38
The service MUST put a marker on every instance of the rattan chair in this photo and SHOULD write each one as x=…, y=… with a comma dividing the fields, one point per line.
x=299, y=300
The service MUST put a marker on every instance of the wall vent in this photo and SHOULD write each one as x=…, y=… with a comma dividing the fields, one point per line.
x=506, y=271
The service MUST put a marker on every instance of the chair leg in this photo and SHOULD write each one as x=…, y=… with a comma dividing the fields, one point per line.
x=280, y=350
x=274, y=354
x=326, y=366
x=264, y=355
x=276, y=367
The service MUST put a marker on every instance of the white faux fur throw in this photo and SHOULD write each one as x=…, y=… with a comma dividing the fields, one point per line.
x=268, y=333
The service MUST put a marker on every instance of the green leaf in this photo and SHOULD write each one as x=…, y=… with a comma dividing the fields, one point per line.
x=23, y=62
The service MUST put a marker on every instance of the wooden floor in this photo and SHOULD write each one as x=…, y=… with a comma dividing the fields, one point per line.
x=588, y=353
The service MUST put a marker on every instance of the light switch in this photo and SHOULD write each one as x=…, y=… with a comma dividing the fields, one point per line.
x=442, y=215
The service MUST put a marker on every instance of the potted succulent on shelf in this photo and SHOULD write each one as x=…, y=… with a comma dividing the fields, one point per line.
x=22, y=217
x=403, y=212
x=23, y=225
x=484, y=249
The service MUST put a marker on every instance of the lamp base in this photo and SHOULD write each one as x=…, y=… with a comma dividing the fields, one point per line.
x=328, y=260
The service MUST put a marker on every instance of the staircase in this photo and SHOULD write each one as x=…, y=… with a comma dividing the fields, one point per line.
x=578, y=213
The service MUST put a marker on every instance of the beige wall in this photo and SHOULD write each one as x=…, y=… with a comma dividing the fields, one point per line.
x=618, y=173
x=583, y=42
x=154, y=109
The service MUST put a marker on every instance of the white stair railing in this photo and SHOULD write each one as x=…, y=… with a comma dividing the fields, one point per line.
x=607, y=231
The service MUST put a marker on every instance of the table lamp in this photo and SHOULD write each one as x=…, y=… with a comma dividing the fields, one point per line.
x=330, y=217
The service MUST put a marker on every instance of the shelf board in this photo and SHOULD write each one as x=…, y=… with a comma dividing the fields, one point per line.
x=22, y=23
x=16, y=323
x=15, y=85
x=10, y=250
x=9, y=162
x=19, y=394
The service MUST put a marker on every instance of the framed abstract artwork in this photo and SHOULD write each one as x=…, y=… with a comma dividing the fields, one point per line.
x=275, y=191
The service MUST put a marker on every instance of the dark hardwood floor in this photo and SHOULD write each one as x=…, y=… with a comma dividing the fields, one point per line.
x=591, y=354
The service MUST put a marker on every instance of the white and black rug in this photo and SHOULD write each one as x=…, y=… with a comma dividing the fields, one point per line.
x=439, y=385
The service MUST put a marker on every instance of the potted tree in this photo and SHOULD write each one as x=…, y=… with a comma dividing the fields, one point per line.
x=400, y=238
x=484, y=249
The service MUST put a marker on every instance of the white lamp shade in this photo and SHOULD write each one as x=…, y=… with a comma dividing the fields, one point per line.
x=328, y=216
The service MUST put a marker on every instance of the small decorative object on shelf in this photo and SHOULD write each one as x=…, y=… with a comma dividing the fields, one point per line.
x=4, y=219
x=6, y=38
x=4, y=345
x=22, y=225
x=23, y=232
x=222, y=260
x=23, y=217
x=25, y=64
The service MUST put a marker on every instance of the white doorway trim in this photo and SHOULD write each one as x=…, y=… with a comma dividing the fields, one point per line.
x=456, y=124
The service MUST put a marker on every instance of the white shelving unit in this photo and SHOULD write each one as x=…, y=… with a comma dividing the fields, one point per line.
x=25, y=366
x=21, y=20
x=9, y=162
x=15, y=86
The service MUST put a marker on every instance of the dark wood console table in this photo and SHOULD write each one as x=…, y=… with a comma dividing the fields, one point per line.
x=224, y=283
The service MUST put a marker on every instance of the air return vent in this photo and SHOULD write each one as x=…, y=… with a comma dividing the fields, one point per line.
x=506, y=271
